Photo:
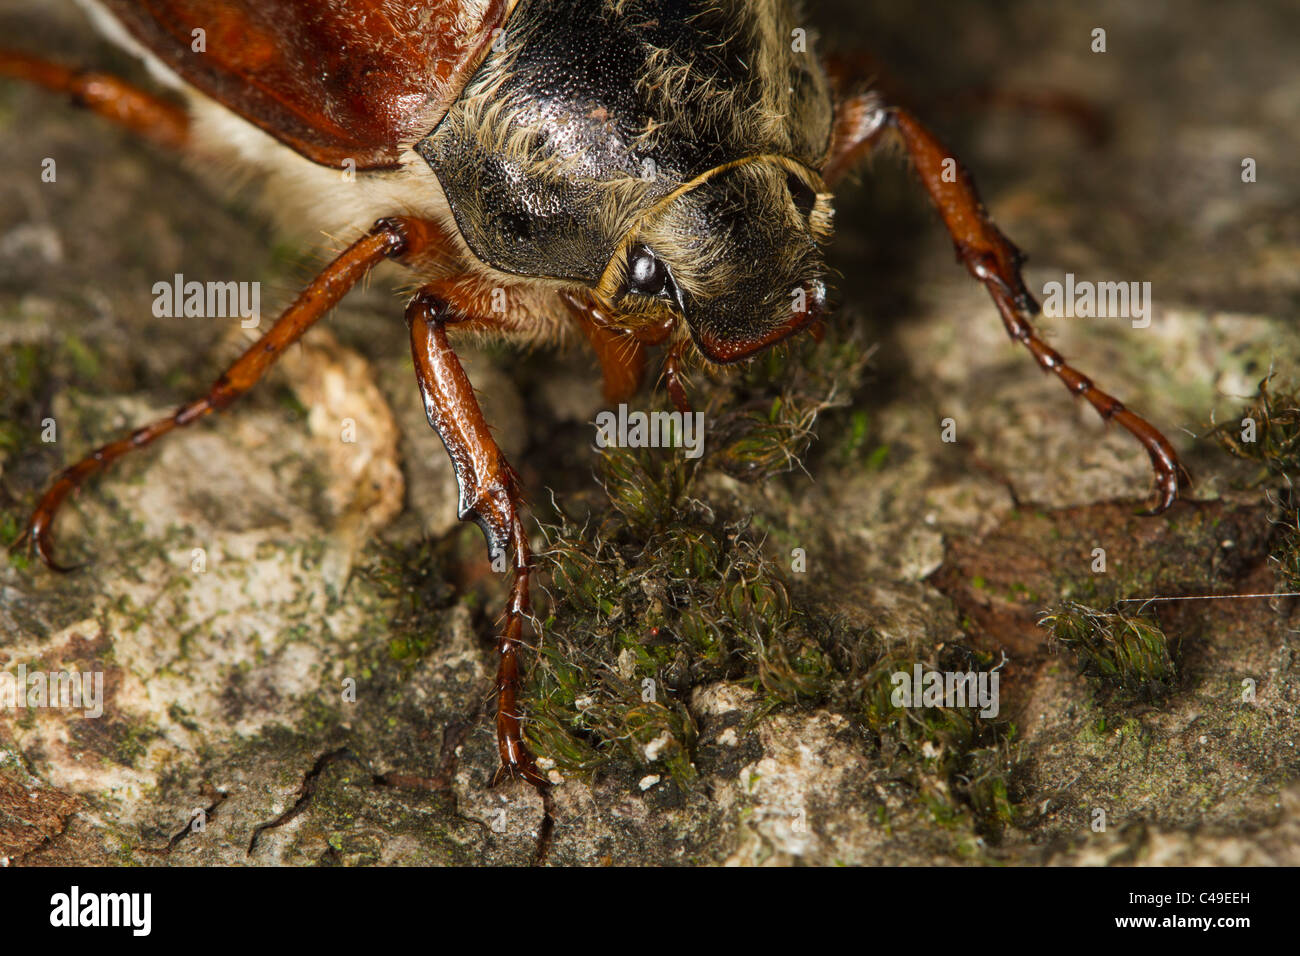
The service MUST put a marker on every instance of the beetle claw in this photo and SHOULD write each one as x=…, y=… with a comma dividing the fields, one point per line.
x=38, y=534
x=1169, y=482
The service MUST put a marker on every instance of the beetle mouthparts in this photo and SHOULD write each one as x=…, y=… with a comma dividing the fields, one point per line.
x=809, y=306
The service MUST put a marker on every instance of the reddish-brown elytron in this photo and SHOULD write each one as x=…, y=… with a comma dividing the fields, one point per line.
x=656, y=171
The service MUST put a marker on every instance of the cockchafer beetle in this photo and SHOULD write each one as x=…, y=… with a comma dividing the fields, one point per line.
x=656, y=171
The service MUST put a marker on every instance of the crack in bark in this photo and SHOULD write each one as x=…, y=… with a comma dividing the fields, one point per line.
x=46, y=845
x=218, y=798
x=546, y=832
x=305, y=792
x=441, y=782
x=452, y=737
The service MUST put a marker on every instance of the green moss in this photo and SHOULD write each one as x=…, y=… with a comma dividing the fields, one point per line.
x=662, y=596
x=131, y=741
x=1267, y=432
x=21, y=367
x=23, y=378
x=854, y=438
x=1286, y=554
x=288, y=400
x=876, y=460
x=959, y=760
x=1122, y=652
x=762, y=419
x=771, y=441
x=183, y=717
x=81, y=357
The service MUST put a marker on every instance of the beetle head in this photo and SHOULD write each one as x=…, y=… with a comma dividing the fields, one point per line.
x=734, y=253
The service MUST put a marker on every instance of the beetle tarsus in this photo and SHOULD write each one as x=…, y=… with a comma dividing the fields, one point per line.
x=991, y=258
x=40, y=526
x=387, y=238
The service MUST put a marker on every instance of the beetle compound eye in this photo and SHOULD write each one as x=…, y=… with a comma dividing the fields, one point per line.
x=646, y=275
x=805, y=198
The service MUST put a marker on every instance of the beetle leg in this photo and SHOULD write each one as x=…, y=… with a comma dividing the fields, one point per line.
x=489, y=496
x=621, y=354
x=388, y=238
x=990, y=257
x=675, y=379
x=138, y=110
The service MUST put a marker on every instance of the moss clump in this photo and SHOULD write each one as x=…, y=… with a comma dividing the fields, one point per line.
x=1266, y=432
x=1124, y=653
x=658, y=597
x=954, y=756
x=762, y=420
x=24, y=380
x=657, y=591
x=772, y=438
x=1286, y=554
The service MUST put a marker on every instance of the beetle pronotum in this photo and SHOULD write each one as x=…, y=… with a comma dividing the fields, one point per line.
x=656, y=171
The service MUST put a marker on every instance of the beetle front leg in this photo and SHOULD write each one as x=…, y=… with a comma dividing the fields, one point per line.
x=390, y=238
x=861, y=121
x=489, y=496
